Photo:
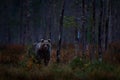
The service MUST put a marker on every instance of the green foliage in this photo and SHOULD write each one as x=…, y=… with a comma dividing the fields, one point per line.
x=69, y=21
x=89, y=28
x=100, y=66
x=31, y=51
x=95, y=71
x=101, y=71
x=77, y=62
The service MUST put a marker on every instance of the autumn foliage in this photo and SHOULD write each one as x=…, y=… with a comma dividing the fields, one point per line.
x=15, y=64
x=12, y=53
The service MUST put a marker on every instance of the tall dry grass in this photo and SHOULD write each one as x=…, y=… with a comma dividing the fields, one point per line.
x=12, y=53
x=15, y=64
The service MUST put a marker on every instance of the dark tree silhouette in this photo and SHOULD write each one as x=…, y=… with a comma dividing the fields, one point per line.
x=49, y=21
x=92, y=53
x=99, y=31
x=60, y=32
x=83, y=29
x=107, y=24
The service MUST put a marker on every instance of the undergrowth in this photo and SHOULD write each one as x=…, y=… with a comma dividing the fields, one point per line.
x=23, y=67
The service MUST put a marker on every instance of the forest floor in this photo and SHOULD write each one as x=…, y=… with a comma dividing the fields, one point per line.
x=16, y=64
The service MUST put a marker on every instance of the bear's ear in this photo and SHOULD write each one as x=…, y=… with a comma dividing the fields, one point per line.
x=49, y=40
x=42, y=40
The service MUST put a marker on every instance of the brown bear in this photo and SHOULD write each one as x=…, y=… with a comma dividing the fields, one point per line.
x=43, y=51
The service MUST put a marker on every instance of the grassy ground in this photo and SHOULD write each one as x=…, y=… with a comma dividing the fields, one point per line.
x=16, y=64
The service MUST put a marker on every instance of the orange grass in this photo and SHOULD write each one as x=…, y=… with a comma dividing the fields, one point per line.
x=31, y=71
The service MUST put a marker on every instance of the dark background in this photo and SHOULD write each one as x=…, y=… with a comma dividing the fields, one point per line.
x=44, y=13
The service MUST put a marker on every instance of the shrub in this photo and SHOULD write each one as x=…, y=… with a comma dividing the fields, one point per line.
x=76, y=62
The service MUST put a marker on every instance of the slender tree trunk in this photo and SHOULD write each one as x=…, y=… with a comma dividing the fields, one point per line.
x=83, y=29
x=110, y=27
x=29, y=23
x=21, y=23
x=24, y=25
x=107, y=24
x=99, y=31
x=77, y=37
x=92, y=55
x=49, y=18
x=60, y=32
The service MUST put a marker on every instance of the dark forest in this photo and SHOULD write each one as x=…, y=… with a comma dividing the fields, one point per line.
x=59, y=40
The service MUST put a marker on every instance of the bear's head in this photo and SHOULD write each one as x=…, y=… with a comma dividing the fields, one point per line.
x=45, y=44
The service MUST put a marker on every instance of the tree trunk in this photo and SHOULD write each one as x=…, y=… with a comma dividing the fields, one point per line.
x=99, y=31
x=83, y=29
x=107, y=24
x=60, y=32
x=92, y=53
x=21, y=23
x=77, y=37
x=49, y=18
